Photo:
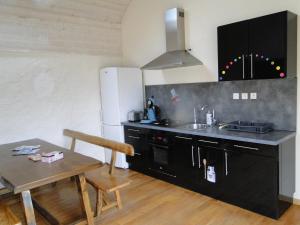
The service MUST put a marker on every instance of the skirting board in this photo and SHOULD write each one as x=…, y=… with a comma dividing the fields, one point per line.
x=296, y=201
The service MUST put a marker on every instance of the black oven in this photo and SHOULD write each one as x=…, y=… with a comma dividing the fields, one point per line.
x=161, y=155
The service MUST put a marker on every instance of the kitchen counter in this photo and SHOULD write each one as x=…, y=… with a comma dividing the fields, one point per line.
x=275, y=137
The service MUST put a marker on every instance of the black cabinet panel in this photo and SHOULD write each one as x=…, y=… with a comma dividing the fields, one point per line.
x=233, y=49
x=250, y=181
x=267, y=43
x=137, y=138
x=210, y=158
x=260, y=48
x=185, y=158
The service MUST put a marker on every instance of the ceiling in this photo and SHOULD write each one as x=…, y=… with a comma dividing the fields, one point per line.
x=79, y=26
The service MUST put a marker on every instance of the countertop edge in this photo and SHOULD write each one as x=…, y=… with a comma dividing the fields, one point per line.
x=213, y=135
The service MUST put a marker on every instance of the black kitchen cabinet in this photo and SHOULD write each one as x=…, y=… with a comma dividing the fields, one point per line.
x=138, y=139
x=267, y=46
x=257, y=177
x=260, y=48
x=250, y=178
x=210, y=158
x=193, y=158
x=186, y=159
x=233, y=50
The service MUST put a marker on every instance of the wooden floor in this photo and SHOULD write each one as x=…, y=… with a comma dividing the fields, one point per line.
x=148, y=201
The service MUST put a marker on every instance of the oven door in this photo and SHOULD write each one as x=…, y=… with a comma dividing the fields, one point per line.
x=161, y=159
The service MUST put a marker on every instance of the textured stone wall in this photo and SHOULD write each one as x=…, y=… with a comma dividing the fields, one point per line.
x=276, y=102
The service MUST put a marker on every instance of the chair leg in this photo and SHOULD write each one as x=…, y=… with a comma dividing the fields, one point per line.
x=99, y=203
x=118, y=198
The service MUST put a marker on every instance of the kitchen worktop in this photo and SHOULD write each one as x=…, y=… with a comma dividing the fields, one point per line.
x=275, y=137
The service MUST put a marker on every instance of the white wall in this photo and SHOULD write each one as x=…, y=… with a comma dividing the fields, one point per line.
x=44, y=93
x=143, y=37
x=51, y=52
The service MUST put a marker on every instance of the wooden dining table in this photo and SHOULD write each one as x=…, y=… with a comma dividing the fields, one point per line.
x=21, y=175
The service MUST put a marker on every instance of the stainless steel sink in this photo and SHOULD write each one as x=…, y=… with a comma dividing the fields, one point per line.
x=195, y=126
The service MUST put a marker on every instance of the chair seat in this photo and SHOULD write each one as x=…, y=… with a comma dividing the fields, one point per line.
x=100, y=179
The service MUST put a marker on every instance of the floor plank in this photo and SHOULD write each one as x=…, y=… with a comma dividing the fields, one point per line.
x=148, y=201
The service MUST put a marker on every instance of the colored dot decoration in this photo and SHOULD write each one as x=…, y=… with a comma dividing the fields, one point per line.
x=235, y=60
x=282, y=75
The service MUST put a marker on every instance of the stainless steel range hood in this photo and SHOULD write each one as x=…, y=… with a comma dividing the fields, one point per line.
x=176, y=55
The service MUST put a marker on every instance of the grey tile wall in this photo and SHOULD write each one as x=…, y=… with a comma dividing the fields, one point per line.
x=276, y=101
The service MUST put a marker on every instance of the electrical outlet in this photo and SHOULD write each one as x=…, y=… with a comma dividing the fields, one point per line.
x=253, y=96
x=236, y=96
x=244, y=96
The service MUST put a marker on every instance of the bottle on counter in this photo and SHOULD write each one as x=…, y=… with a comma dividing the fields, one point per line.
x=209, y=118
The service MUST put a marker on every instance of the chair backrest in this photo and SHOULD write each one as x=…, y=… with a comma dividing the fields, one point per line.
x=102, y=142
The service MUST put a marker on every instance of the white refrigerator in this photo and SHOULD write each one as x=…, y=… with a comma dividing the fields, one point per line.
x=121, y=91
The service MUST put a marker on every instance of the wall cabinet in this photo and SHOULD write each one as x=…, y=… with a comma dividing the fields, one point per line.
x=260, y=48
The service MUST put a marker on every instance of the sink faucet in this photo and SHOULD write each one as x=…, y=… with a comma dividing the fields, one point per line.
x=203, y=107
x=195, y=115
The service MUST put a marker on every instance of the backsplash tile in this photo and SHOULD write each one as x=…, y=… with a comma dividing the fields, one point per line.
x=276, y=101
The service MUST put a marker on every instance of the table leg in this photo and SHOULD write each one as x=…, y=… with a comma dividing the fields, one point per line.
x=28, y=208
x=84, y=195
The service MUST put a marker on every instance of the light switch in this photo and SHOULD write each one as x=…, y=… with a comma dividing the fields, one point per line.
x=236, y=96
x=253, y=96
x=244, y=96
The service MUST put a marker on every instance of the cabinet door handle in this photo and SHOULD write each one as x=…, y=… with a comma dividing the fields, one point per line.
x=199, y=157
x=245, y=147
x=251, y=69
x=134, y=130
x=137, y=153
x=243, y=57
x=133, y=137
x=210, y=142
x=185, y=138
x=204, y=164
x=226, y=163
x=193, y=160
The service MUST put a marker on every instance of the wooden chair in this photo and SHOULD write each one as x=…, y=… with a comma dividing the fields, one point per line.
x=7, y=217
x=104, y=181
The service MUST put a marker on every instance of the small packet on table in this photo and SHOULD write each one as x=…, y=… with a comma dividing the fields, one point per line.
x=52, y=156
x=35, y=158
